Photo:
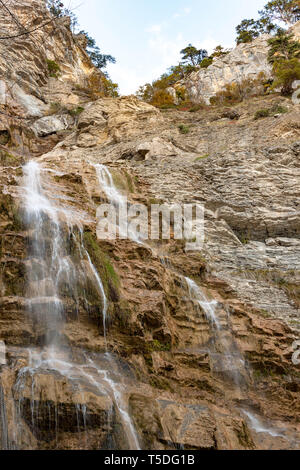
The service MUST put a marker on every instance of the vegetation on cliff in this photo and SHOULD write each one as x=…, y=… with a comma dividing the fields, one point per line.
x=169, y=90
x=282, y=11
x=99, y=60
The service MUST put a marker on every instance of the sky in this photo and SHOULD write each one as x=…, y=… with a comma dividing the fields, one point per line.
x=146, y=36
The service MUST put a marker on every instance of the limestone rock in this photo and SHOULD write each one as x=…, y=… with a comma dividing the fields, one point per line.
x=51, y=124
x=246, y=61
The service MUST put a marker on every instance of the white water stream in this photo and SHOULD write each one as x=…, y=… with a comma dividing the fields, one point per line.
x=115, y=197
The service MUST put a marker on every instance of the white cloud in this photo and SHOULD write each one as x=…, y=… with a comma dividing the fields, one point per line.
x=186, y=11
x=155, y=28
x=130, y=78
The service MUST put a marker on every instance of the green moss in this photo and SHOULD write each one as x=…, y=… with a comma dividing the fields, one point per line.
x=102, y=263
x=156, y=346
x=76, y=111
x=4, y=137
x=160, y=383
x=244, y=438
x=201, y=157
x=261, y=113
x=9, y=159
x=53, y=68
x=153, y=201
x=276, y=109
x=130, y=182
x=122, y=313
x=148, y=361
x=264, y=372
x=184, y=129
x=123, y=181
x=17, y=219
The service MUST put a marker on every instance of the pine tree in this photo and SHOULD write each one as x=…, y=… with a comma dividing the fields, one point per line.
x=286, y=11
x=99, y=60
x=193, y=56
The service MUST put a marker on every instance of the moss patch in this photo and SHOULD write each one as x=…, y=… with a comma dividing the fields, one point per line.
x=103, y=265
x=156, y=346
x=76, y=111
x=202, y=157
x=183, y=129
x=53, y=68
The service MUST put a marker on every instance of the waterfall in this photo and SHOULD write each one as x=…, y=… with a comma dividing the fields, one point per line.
x=224, y=354
x=116, y=198
x=50, y=270
x=47, y=261
x=209, y=307
x=259, y=427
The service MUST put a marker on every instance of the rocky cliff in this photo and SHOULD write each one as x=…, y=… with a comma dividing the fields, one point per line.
x=123, y=344
x=244, y=62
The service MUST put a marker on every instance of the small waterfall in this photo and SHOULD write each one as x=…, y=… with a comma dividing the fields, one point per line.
x=117, y=392
x=209, y=307
x=259, y=427
x=116, y=198
x=224, y=354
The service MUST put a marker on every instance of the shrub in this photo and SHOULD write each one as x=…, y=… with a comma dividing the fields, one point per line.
x=262, y=113
x=206, y=62
x=236, y=92
x=111, y=88
x=183, y=129
x=229, y=95
x=162, y=98
x=286, y=72
x=76, y=111
x=180, y=93
x=198, y=107
x=53, y=68
x=276, y=109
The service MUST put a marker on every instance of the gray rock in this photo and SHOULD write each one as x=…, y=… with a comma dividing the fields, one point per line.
x=51, y=124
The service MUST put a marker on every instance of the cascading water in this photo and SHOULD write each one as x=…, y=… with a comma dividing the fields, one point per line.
x=47, y=260
x=209, y=307
x=116, y=198
x=51, y=272
x=224, y=355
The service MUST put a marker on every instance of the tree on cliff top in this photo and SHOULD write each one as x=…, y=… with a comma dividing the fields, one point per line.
x=99, y=60
x=284, y=55
x=282, y=11
x=57, y=8
x=286, y=11
x=193, y=56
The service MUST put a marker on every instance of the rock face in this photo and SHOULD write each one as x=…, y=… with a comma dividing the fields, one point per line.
x=245, y=62
x=27, y=89
x=196, y=350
